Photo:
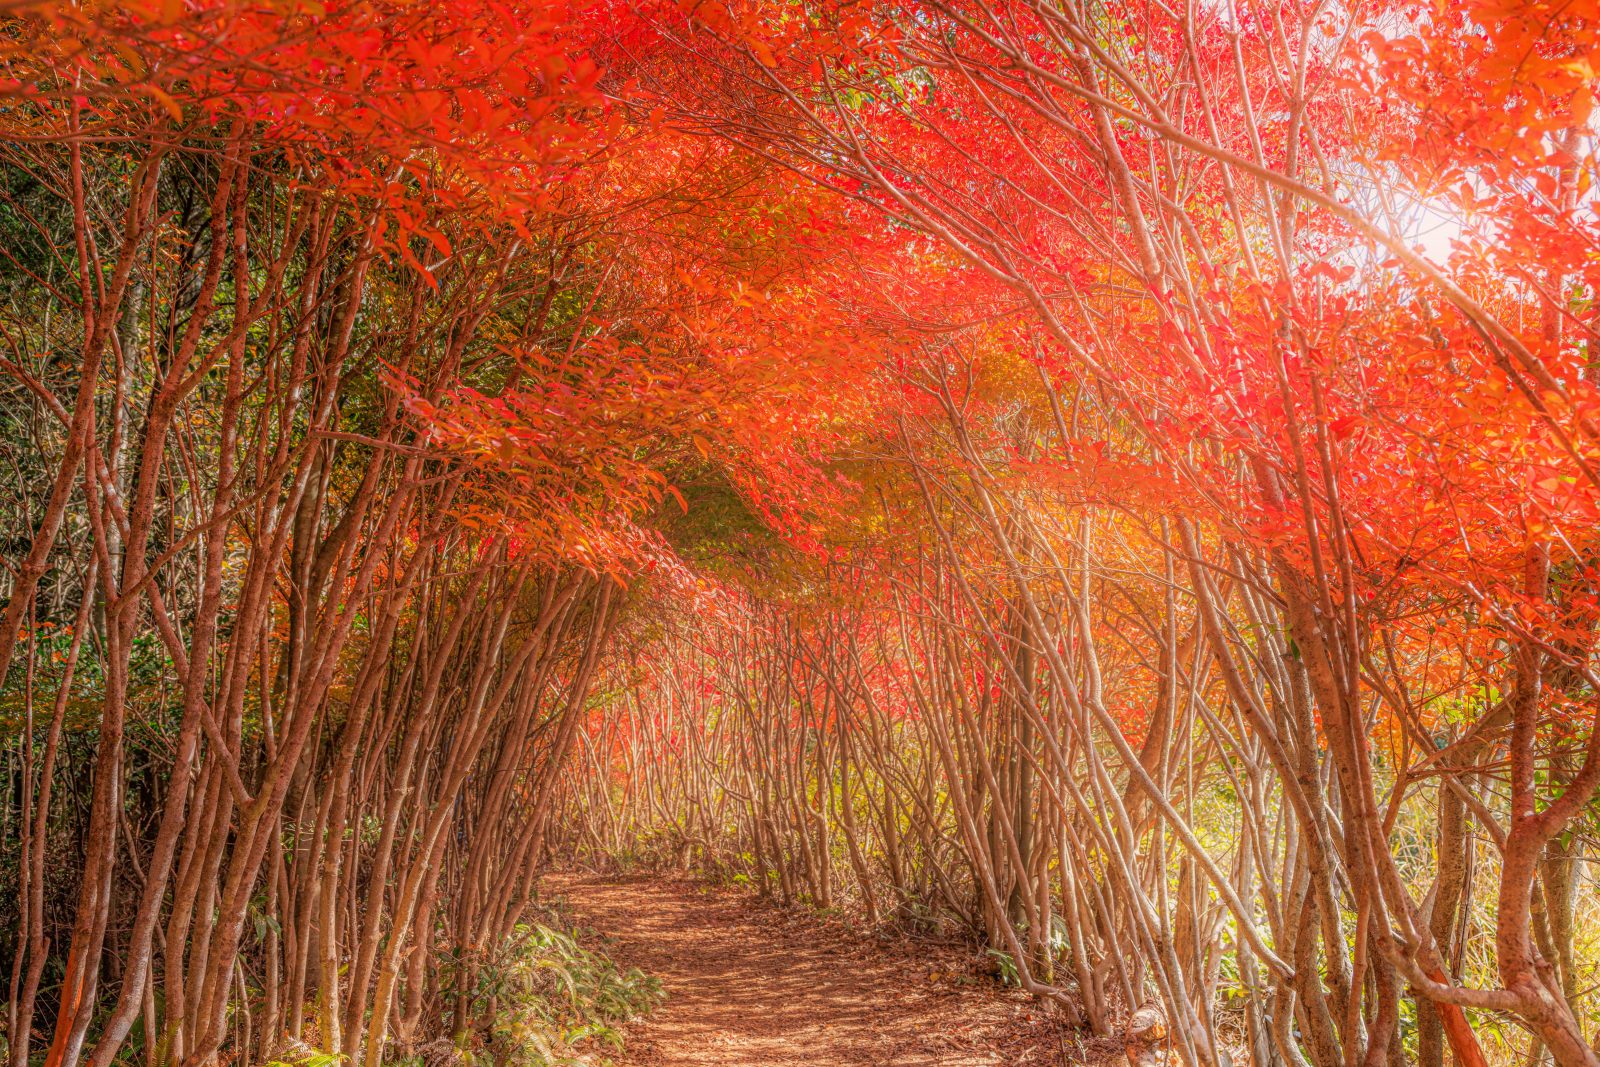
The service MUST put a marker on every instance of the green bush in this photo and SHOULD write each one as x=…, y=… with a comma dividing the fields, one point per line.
x=551, y=1002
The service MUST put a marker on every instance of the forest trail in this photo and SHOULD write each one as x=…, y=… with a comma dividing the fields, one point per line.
x=753, y=985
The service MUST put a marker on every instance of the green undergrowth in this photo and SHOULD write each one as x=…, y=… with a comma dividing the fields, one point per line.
x=550, y=997
x=562, y=1004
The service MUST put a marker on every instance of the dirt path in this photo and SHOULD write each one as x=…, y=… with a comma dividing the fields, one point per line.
x=751, y=985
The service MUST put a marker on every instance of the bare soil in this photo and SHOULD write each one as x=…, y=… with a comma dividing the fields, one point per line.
x=750, y=984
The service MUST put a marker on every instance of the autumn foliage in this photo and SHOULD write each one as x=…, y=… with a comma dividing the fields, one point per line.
x=1113, y=483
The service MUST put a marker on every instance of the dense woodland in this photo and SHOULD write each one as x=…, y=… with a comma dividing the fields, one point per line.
x=1110, y=482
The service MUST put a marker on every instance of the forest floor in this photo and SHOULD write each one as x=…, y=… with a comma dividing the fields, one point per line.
x=751, y=984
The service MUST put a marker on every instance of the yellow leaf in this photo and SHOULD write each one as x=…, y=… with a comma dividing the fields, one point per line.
x=173, y=107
